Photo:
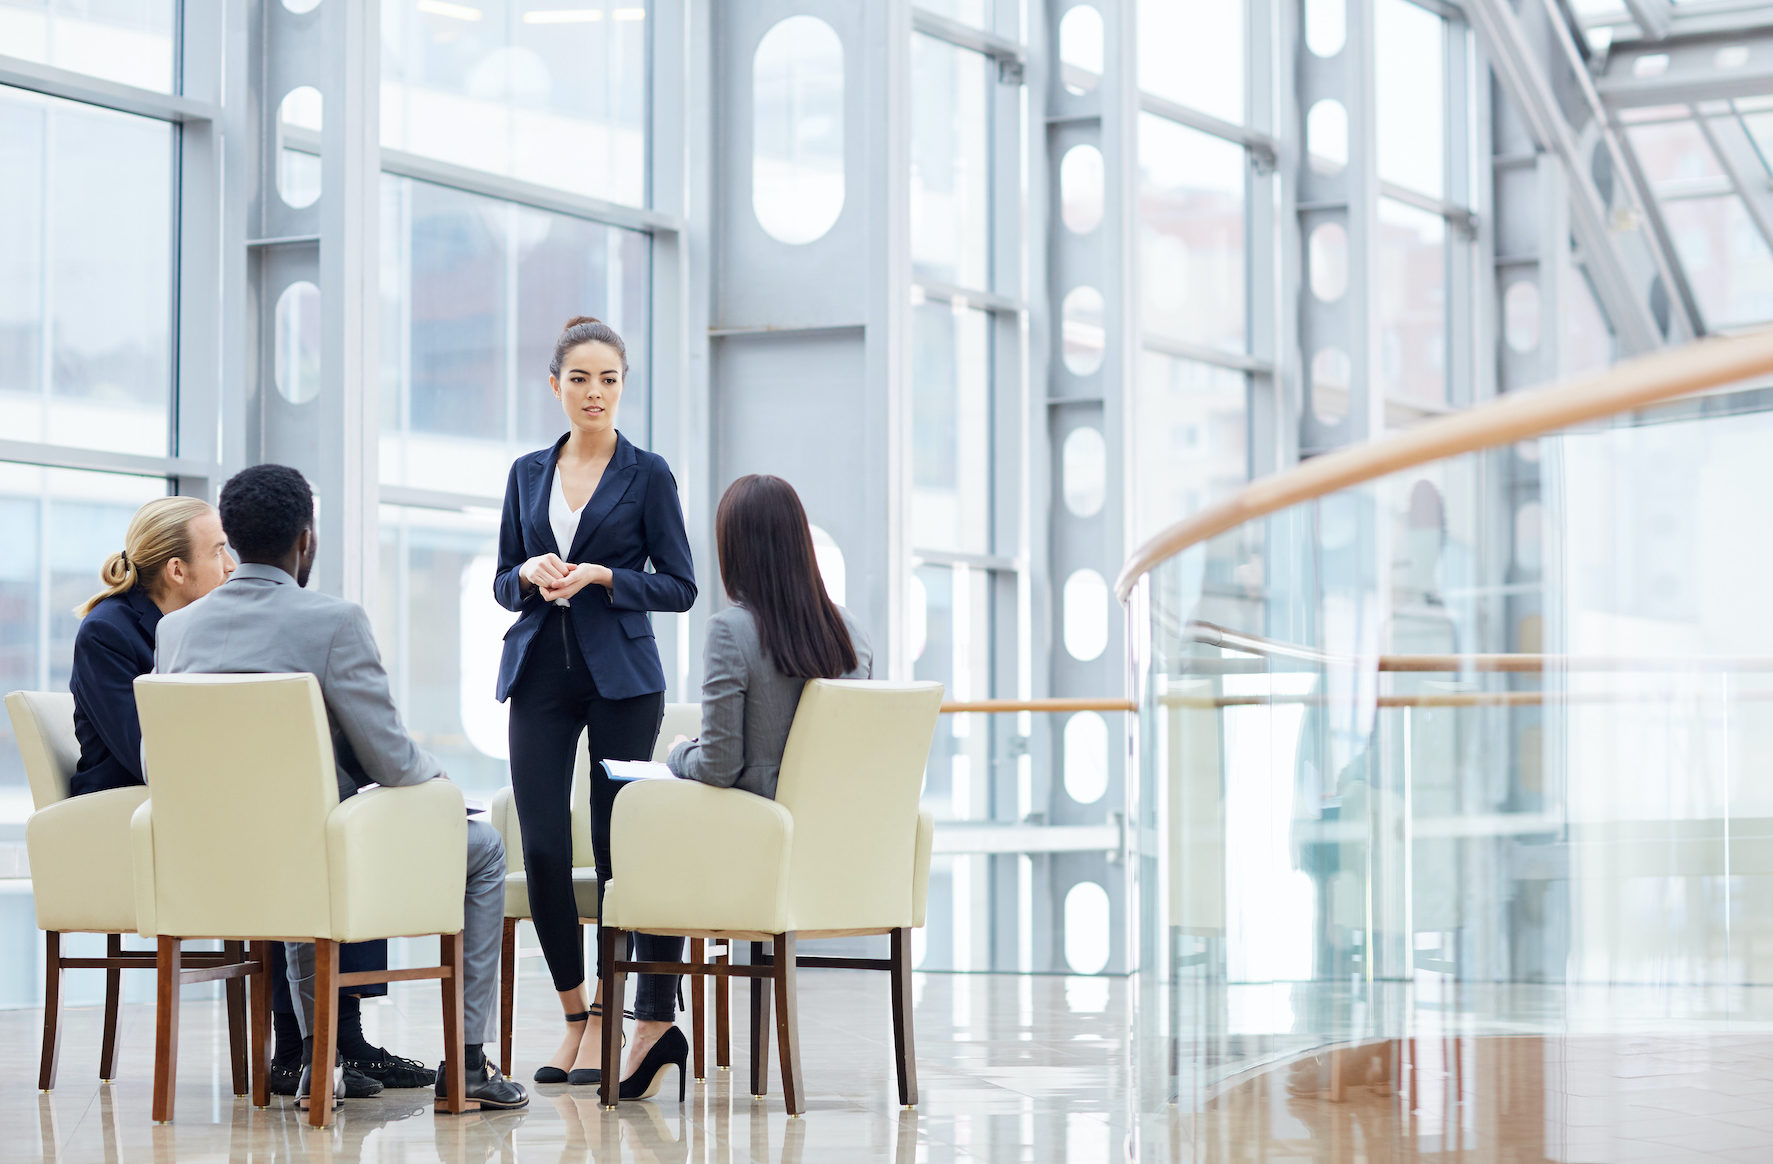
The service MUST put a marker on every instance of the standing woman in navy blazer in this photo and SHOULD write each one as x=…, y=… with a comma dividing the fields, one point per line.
x=582, y=520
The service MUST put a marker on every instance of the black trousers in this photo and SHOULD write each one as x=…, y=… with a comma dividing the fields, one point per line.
x=552, y=702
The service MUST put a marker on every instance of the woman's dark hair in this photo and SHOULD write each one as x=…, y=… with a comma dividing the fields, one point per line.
x=767, y=564
x=584, y=329
x=264, y=510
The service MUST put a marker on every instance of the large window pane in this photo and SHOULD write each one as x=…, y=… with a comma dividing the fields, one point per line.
x=950, y=164
x=1191, y=229
x=1192, y=52
x=86, y=275
x=58, y=526
x=1410, y=56
x=951, y=429
x=1725, y=257
x=1190, y=447
x=474, y=293
x=1412, y=363
x=128, y=41
x=553, y=94
x=1673, y=151
x=441, y=633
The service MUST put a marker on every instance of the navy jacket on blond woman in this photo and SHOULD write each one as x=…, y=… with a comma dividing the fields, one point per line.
x=633, y=518
x=115, y=643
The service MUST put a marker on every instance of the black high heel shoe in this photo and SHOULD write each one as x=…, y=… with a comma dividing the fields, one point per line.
x=587, y=1076
x=672, y=1050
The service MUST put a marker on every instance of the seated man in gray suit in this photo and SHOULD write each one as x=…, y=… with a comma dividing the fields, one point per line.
x=267, y=622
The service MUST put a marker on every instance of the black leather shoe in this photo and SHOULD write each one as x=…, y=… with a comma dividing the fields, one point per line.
x=392, y=1071
x=286, y=1080
x=487, y=1089
x=302, y=1085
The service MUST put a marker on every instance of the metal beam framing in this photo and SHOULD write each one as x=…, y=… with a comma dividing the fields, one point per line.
x=1530, y=92
x=1652, y=16
x=90, y=90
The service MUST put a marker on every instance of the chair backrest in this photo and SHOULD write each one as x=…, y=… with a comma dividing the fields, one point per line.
x=241, y=781
x=680, y=719
x=851, y=776
x=43, y=722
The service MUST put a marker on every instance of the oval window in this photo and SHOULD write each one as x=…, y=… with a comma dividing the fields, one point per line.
x=1080, y=188
x=797, y=130
x=1085, y=605
x=1083, y=462
x=299, y=122
x=295, y=343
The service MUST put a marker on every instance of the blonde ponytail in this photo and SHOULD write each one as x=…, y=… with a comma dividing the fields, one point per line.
x=159, y=532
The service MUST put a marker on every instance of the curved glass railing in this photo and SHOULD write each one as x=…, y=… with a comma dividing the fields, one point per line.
x=1457, y=760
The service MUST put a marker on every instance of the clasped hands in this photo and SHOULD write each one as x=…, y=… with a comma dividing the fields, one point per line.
x=555, y=578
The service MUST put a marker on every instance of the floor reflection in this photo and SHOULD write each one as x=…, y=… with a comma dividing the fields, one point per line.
x=1517, y=1098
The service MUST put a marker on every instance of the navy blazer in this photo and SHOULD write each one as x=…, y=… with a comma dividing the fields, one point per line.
x=115, y=643
x=633, y=518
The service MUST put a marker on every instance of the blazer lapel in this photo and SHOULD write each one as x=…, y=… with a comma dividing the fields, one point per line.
x=542, y=477
x=616, y=479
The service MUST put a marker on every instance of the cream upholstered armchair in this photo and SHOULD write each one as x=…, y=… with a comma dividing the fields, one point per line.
x=680, y=719
x=245, y=838
x=843, y=850
x=81, y=880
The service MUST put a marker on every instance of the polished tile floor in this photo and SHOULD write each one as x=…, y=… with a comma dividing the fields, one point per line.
x=1014, y=1069
x=1011, y=1069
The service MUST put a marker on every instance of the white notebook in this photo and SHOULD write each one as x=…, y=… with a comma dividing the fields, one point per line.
x=638, y=770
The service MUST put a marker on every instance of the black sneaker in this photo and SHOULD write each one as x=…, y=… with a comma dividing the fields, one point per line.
x=486, y=1089
x=286, y=1079
x=392, y=1071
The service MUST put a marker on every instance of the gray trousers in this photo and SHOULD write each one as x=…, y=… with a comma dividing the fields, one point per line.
x=483, y=923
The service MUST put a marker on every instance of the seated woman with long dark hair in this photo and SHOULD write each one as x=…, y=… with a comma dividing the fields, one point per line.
x=781, y=631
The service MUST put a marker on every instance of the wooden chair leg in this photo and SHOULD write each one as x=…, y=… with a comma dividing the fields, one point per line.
x=326, y=1031
x=167, y=967
x=455, y=1067
x=723, y=1019
x=259, y=1046
x=613, y=944
x=235, y=989
x=113, y=1006
x=507, y=991
x=904, y=1050
x=760, y=1028
x=787, y=1024
x=698, y=1013
x=52, y=1008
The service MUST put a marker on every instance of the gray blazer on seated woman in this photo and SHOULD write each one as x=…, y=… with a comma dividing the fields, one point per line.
x=781, y=631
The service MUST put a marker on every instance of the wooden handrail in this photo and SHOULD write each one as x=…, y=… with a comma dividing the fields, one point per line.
x=1004, y=706
x=1652, y=379
x=1213, y=635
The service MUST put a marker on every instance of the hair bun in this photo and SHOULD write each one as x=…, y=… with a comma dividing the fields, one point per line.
x=578, y=319
x=118, y=569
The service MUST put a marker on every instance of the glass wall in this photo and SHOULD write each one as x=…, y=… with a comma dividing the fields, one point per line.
x=87, y=286
x=554, y=96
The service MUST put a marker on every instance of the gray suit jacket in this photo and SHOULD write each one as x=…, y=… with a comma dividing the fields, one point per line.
x=260, y=621
x=748, y=706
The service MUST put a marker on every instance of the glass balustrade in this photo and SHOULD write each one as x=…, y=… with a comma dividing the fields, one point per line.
x=1456, y=776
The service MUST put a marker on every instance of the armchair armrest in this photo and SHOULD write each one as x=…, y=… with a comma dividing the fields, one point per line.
x=80, y=864
x=141, y=851
x=688, y=856
x=920, y=869
x=397, y=859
